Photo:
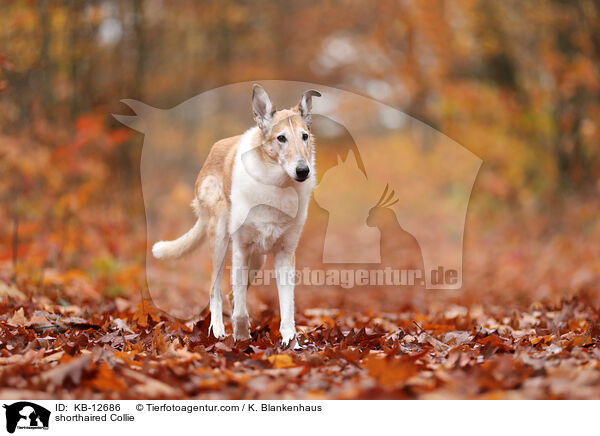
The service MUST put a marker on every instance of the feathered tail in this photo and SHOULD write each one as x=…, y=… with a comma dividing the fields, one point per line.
x=182, y=245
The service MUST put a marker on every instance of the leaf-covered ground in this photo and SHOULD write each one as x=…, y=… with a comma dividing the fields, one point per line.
x=120, y=350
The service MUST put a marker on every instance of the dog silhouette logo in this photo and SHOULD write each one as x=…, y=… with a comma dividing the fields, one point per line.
x=431, y=176
x=26, y=415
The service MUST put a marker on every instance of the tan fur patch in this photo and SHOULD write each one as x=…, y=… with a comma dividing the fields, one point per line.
x=218, y=165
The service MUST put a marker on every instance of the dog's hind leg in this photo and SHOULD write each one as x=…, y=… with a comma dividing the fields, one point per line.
x=219, y=244
x=239, y=282
x=255, y=264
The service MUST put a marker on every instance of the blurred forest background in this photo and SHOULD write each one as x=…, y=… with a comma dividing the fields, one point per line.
x=517, y=83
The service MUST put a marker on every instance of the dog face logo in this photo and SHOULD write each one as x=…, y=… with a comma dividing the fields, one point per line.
x=26, y=415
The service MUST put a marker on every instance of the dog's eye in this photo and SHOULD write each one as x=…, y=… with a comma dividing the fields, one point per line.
x=281, y=138
x=304, y=136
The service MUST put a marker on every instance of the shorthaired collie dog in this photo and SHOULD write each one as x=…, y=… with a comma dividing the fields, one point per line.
x=254, y=190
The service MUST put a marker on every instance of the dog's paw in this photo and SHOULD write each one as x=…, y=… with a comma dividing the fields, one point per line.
x=241, y=328
x=287, y=335
x=241, y=336
x=217, y=329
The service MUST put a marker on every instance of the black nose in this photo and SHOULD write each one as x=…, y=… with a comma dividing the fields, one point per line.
x=302, y=171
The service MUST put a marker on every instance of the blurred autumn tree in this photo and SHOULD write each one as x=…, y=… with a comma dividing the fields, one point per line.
x=515, y=82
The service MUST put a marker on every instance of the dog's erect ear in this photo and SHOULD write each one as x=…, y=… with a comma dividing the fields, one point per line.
x=262, y=107
x=305, y=105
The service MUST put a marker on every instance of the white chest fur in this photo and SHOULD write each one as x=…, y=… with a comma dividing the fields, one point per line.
x=263, y=208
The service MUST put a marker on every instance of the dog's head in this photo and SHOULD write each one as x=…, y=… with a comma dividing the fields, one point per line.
x=286, y=136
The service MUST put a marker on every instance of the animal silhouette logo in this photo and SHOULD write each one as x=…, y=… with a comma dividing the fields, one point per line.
x=374, y=230
x=26, y=415
x=431, y=177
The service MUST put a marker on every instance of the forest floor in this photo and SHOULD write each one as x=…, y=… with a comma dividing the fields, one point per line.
x=114, y=349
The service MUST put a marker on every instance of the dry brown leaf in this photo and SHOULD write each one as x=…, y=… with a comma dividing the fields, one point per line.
x=390, y=371
x=18, y=318
x=10, y=291
x=71, y=370
x=106, y=380
x=281, y=361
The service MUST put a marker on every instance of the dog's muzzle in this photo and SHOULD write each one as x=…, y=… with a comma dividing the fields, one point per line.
x=302, y=171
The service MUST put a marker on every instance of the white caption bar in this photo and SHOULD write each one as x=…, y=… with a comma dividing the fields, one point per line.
x=290, y=417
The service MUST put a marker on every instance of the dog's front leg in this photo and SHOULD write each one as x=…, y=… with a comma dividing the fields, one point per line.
x=239, y=281
x=285, y=270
